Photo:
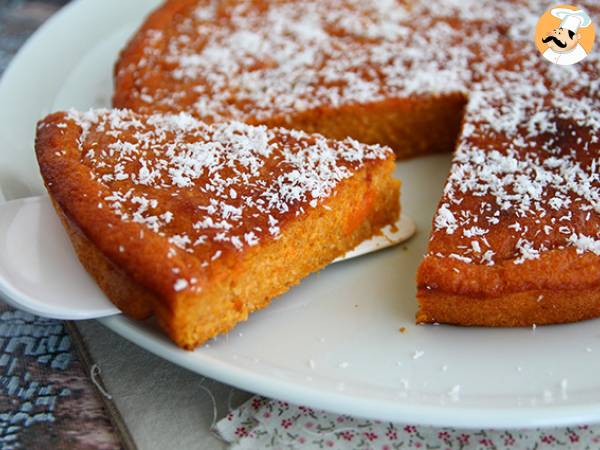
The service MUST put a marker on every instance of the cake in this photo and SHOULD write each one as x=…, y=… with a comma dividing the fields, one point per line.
x=516, y=236
x=200, y=225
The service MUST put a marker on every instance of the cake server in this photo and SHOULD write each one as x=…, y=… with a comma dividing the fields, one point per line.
x=40, y=273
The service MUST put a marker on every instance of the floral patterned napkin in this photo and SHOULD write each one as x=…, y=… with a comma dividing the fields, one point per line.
x=261, y=423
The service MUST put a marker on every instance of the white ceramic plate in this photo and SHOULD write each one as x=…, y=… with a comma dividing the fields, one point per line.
x=334, y=341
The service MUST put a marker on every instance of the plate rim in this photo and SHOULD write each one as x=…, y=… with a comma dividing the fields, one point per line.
x=540, y=416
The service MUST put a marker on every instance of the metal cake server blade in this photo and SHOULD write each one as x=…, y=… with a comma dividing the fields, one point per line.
x=40, y=273
x=391, y=235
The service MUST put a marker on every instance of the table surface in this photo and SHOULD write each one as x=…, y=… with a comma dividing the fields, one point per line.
x=46, y=397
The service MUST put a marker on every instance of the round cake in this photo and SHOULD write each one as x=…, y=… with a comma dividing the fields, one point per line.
x=516, y=237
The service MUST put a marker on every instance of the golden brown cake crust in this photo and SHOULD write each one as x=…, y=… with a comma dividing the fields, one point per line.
x=523, y=308
x=131, y=298
x=78, y=195
x=556, y=270
x=559, y=287
x=163, y=236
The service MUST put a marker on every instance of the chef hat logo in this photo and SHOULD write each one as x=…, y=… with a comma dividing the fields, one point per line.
x=565, y=34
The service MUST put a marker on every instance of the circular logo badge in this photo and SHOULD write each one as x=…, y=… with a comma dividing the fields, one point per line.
x=565, y=35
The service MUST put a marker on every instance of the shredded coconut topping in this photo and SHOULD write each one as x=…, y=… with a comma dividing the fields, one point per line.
x=211, y=189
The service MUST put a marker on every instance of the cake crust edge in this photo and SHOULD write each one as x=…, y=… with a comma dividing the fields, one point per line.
x=517, y=309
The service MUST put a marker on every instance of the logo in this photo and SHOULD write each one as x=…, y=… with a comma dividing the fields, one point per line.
x=565, y=35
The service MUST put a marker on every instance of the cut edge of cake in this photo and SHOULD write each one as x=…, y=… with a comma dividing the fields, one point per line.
x=562, y=286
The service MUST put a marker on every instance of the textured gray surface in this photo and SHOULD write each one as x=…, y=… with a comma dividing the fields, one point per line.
x=162, y=405
x=46, y=400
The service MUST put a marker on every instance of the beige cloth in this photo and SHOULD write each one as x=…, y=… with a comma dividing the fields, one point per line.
x=162, y=405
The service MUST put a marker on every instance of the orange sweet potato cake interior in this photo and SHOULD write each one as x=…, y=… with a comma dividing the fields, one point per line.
x=200, y=225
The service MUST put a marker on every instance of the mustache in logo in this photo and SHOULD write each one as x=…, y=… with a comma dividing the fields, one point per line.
x=555, y=40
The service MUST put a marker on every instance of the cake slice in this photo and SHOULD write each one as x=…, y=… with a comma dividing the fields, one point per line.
x=200, y=225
